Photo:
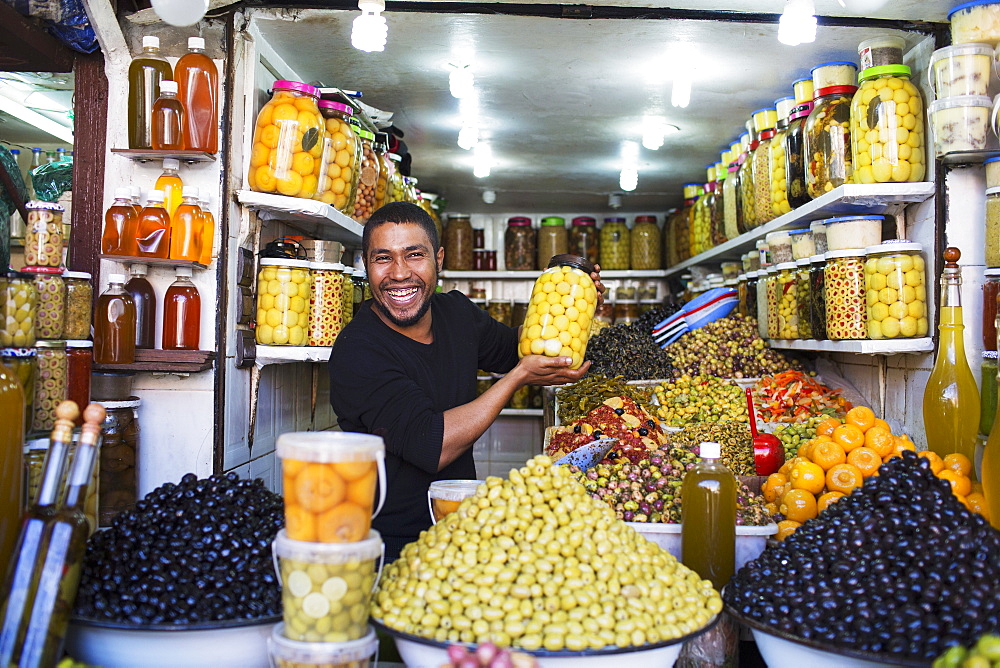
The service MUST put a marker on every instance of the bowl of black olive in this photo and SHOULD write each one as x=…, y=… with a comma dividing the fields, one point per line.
x=185, y=578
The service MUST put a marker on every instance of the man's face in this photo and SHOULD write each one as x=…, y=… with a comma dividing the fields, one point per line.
x=402, y=270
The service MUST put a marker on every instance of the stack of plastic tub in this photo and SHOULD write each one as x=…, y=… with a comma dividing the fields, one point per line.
x=328, y=558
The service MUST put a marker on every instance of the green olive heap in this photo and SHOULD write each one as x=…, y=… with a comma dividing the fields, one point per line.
x=729, y=348
x=534, y=562
x=700, y=399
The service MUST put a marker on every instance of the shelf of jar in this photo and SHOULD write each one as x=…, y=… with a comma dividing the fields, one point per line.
x=150, y=155
x=522, y=412
x=881, y=347
x=849, y=199
x=165, y=361
x=309, y=216
x=157, y=261
x=289, y=354
x=968, y=157
x=532, y=275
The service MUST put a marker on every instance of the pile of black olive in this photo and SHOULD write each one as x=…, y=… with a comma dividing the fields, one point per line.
x=899, y=567
x=192, y=552
x=628, y=350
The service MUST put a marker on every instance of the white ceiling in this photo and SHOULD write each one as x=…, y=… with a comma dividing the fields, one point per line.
x=558, y=96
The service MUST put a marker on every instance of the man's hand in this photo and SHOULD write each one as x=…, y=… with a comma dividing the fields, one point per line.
x=542, y=370
x=596, y=277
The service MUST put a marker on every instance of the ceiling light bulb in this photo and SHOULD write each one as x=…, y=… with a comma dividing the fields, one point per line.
x=680, y=92
x=489, y=196
x=615, y=201
x=652, y=139
x=369, y=32
x=482, y=160
x=468, y=137
x=461, y=81
x=797, y=24
x=628, y=179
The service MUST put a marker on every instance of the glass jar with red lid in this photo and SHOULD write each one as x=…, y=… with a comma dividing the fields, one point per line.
x=827, y=149
x=583, y=238
x=519, y=244
x=288, y=142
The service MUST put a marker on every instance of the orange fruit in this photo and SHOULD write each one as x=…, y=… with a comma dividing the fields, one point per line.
x=798, y=505
x=362, y=490
x=936, y=462
x=771, y=508
x=353, y=470
x=879, y=422
x=805, y=449
x=865, y=459
x=772, y=486
x=786, y=528
x=284, y=112
x=861, y=417
x=977, y=503
x=344, y=523
x=828, y=455
x=960, y=484
x=299, y=522
x=880, y=440
x=849, y=436
x=825, y=500
x=826, y=426
x=807, y=476
x=318, y=488
x=290, y=185
x=844, y=478
x=786, y=468
x=903, y=443
x=958, y=462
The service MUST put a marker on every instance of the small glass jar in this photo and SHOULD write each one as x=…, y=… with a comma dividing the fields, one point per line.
x=626, y=312
x=627, y=292
x=51, y=383
x=347, y=302
x=751, y=301
x=368, y=178
x=458, y=243
x=500, y=310
x=615, y=244
x=895, y=290
x=79, y=364
x=645, y=244
x=478, y=238
x=491, y=261
x=385, y=170
x=993, y=227
x=326, y=307
x=701, y=222
x=745, y=176
x=731, y=202
x=991, y=288
x=583, y=239
x=779, y=245
x=786, y=301
x=604, y=316
x=887, y=127
x=803, y=246
x=552, y=239
x=18, y=310
x=765, y=123
x=817, y=296
x=730, y=270
x=360, y=281
x=716, y=206
x=283, y=292
x=337, y=171
x=519, y=244
x=803, y=297
x=288, y=142
x=479, y=260
x=796, y=159
x=397, y=187
x=828, y=140
x=683, y=223
x=119, y=454
x=560, y=311
x=79, y=303
x=818, y=229
x=988, y=394
x=34, y=462
x=766, y=305
x=648, y=292
x=992, y=168
x=43, y=239
x=844, y=282
x=21, y=362
x=776, y=158
x=741, y=294
x=764, y=253
x=50, y=291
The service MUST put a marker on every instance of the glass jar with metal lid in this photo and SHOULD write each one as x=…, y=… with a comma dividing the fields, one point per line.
x=326, y=306
x=803, y=297
x=817, y=294
x=338, y=172
x=519, y=244
x=644, y=249
x=887, y=127
x=615, y=244
x=562, y=305
x=844, y=283
x=895, y=290
x=458, y=242
x=827, y=131
x=50, y=292
x=18, y=309
x=283, y=292
x=552, y=239
x=51, y=383
x=79, y=303
x=21, y=362
x=583, y=238
x=368, y=178
x=765, y=123
x=748, y=143
x=288, y=142
x=119, y=454
x=796, y=160
x=786, y=301
x=43, y=239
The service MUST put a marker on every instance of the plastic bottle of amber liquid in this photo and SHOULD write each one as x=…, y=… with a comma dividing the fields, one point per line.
x=168, y=119
x=708, y=518
x=145, y=306
x=198, y=90
x=181, y=313
x=114, y=324
x=185, y=228
x=207, y=231
x=145, y=73
x=152, y=236
x=169, y=182
x=119, y=217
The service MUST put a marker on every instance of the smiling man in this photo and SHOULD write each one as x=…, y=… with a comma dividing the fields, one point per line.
x=405, y=369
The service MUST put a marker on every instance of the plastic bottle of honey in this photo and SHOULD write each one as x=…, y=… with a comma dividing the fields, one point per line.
x=708, y=518
x=114, y=324
x=152, y=235
x=136, y=199
x=169, y=181
x=119, y=217
x=198, y=85
x=185, y=228
x=145, y=73
x=145, y=306
x=181, y=313
x=207, y=230
x=168, y=119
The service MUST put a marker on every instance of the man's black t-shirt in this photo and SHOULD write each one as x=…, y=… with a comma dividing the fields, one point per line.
x=385, y=383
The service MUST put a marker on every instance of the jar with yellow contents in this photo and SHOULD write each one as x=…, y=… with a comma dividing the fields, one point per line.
x=685, y=219
x=614, y=243
x=644, y=248
x=765, y=121
x=887, y=127
x=560, y=311
x=717, y=204
x=827, y=147
x=776, y=158
x=385, y=169
x=730, y=194
x=338, y=180
x=895, y=290
x=284, y=288
x=397, y=187
x=748, y=142
x=288, y=142
x=786, y=293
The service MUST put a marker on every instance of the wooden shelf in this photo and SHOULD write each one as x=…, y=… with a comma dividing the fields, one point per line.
x=165, y=361
x=532, y=275
x=522, y=412
x=157, y=261
x=881, y=347
x=152, y=155
x=290, y=354
x=850, y=199
x=309, y=216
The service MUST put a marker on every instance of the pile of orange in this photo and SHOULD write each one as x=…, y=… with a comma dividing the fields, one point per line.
x=840, y=458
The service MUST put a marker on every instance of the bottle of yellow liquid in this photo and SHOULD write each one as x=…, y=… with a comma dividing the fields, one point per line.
x=170, y=183
x=951, y=397
x=708, y=518
x=185, y=228
x=11, y=461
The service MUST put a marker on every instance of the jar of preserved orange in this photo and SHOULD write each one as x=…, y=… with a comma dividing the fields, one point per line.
x=338, y=171
x=562, y=305
x=288, y=142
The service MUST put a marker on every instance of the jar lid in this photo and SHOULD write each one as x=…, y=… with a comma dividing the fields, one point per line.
x=800, y=111
x=282, y=262
x=803, y=262
x=895, y=246
x=519, y=220
x=50, y=343
x=19, y=353
x=43, y=205
x=803, y=79
x=882, y=71
x=329, y=446
x=328, y=553
x=614, y=219
x=336, y=106
x=752, y=274
x=82, y=275
x=959, y=101
x=817, y=226
x=79, y=343
x=296, y=86
x=833, y=63
x=584, y=220
x=847, y=252
x=42, y=270
x=572, y=261
x=990, y=354
x=762, y=244
x=131, y=402
x=322, y=653
x=989, y=160
x=365, y=134
x=816, y=259
x=553, y=221
x=784, y=266
x=348, y=271
x=967, y=49
x=15, y=274
x=452, y=216
x=645, y=219
x=841, y=219
x=326, y=266
x=993, y=271
x=772, y=236
x=993, y=191
x=804, y=230
x=970, y=5
x=834, y=90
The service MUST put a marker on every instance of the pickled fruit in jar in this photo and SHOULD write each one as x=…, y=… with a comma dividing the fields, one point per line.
x=288, y=142
x=844, y=285
x=895, y=291
x=445, y=496
x=283, y=293
x=338, y=165
x=326, y=307
x=786, y=301
x=827, y=147
x=614, y=244
x=18, y=310
x=560, y=311
x=887, y=127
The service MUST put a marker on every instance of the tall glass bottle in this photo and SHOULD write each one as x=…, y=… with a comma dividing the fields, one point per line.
x=185, y=228
x=119, y=217
x=145, y=73
x=145, y=306
x=207, y=231
x=168, y=119
x=11, y=459
x=114, y=324
x=152, y=236
x=181, y=313
x=43, y=578
x=990, y=469
x=951, y=398
x=36, y=161
x=708, y=518
x=169, y=182
x=198, y=90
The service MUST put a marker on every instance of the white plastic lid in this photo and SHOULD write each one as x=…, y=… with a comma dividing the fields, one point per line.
x=284, y=650
x=327, y=553
x=329, y=446
x=847, y=252
x=349, y=271
x=337, y=266
x=453, y=490
x=171, y=163
x=189, y=191
x=150, y=41
x=784, y=265
x=325, y=266
x=183, y=271
x=802, y=262
x=168, y=86
x=752, y=275
x=196, y=42
x=960, y=101
x=123, y=193
x=134, y=191
x=895, y=246
x=967, y=49
x=993, y=191
x=816, y=259
x=116, y=278
x=817, y=226
x=710, y=450
x=995, y=271
x=82, y=275
x=771, y=236
x=283, y=262
x=79, y=343
x=156, y=196
x=138, y=268
x=128, y=403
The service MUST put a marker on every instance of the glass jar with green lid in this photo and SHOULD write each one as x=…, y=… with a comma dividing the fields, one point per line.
x=887, y=127
x=765, y=121
x=615, y=244
x=552, y=239
x=776, y=158
x=645, y=243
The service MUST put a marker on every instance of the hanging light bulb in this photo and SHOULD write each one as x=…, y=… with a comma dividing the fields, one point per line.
x=628, y=179
x=797, y=24
x=680, y=92
x=461, y=81
x=468, y=137
x=369, y=32
x=482, y=160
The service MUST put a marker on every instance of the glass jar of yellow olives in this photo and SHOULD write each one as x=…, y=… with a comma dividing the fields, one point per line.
x=614, y=244
x=887, y=127
x=561, y=308
x=18, y=310
x=827, y=149
x=765, y=122
x=645, y=243
x=288, y=142
x=895, y=291
x=776, y=158
x=338, y=171
x=786, y=301
x=284, y=288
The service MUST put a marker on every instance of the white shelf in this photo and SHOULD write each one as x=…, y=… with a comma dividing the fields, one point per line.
x=881, y=347
x=532, y=275
x=521, y=412
x=852, y=198
x=289, y=354
x=312, y=217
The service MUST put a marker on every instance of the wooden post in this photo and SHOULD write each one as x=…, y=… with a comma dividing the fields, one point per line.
x=90, y=109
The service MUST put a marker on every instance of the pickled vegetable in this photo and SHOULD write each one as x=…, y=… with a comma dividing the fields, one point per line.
x=283, y=293
x=827, y=147
x=337, y=170
x=887, y=128
x=614, y=244
x=895, y=291
x=844, y=284
x=43, y=241
x=18, y=310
